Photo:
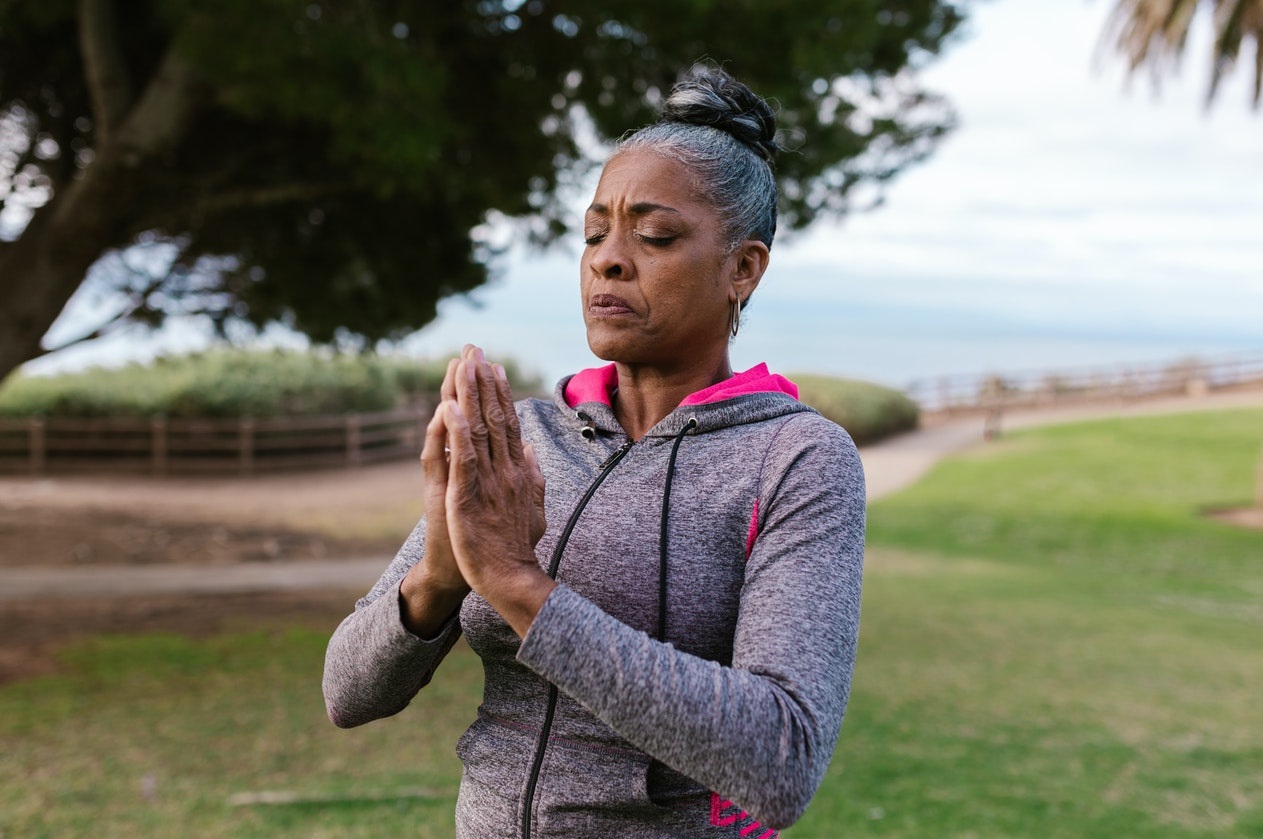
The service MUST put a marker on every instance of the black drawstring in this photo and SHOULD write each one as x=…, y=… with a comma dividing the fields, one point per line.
x=662, y=533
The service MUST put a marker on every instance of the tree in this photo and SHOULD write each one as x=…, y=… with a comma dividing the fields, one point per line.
x=1153, y=33
x=323, y=164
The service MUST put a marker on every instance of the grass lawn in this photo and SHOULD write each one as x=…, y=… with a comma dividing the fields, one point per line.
x=1055, y=644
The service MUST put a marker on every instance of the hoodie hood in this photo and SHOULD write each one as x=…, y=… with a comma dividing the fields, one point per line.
x=750, y=396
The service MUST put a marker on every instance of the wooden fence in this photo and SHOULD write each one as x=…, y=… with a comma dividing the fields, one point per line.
x=187, y=446
x=1117, y=382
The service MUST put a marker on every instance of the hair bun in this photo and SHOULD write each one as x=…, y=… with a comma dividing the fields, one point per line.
x=709, y=96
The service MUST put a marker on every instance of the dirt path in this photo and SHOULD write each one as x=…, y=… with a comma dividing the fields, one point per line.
x=140, y=537
x=82, y=555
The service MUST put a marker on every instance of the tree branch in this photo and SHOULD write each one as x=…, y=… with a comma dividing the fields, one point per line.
x=272, y=195
x=105, y=70
x=139, y=302
x=162, y=114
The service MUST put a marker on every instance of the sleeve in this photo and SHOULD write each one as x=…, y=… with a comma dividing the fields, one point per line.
x=373, y=665
x=760, y=732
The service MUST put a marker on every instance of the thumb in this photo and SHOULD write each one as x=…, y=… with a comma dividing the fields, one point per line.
x=539, y=522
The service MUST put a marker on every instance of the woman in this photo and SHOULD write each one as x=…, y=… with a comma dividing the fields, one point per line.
x=670, y=655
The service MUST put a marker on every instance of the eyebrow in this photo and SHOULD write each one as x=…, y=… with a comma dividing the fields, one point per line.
x=640, y=209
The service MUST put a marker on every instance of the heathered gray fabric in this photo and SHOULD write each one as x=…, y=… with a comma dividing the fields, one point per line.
x=746, y=696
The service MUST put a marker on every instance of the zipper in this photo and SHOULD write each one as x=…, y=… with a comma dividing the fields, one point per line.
x=612, y=459
x=553, y=565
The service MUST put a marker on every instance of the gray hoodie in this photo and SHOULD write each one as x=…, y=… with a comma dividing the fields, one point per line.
x=741, y=513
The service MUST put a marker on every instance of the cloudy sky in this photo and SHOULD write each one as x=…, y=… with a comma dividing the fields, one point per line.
x=1073, y=219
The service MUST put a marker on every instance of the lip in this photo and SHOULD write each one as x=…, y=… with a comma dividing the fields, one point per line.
x=608, y=305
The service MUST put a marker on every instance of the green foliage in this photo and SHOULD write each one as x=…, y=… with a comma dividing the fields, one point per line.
x=232, y=383
x=337, y=156
x=869, y=412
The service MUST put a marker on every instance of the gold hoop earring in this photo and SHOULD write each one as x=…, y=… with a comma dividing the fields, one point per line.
x=734, y=317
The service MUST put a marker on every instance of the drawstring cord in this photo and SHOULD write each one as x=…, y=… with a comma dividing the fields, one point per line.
x=662, y=533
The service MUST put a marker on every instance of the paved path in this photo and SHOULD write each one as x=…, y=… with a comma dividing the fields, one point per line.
x=889, y=466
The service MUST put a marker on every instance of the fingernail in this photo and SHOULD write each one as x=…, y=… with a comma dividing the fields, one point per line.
x=455, y=408
x=500, y=374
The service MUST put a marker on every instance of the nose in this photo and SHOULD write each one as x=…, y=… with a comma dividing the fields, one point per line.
x=608, y=260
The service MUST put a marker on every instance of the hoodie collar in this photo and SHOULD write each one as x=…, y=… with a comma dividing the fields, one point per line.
x=597, y=384
x=750, y=396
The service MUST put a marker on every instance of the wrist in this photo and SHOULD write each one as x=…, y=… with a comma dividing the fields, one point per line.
x=426, y=602
x=518, y=593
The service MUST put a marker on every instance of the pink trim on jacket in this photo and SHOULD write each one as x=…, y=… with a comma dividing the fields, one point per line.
x=596, y=384
x=752, y=532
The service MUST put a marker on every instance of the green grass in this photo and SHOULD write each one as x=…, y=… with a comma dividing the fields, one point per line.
x=152, y=736
x=1055, y=643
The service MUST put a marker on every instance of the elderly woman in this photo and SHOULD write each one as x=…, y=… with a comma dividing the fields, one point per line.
x=671, y=654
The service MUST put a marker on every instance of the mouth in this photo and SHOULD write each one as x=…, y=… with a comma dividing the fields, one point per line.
x=608, y=305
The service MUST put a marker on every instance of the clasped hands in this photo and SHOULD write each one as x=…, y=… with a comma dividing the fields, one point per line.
x=484, y=505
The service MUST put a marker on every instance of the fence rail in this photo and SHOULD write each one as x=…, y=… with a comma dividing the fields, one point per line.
x=1116, y=382
x=245, y=445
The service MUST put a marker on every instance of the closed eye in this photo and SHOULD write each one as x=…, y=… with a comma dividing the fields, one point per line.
x=656, y=241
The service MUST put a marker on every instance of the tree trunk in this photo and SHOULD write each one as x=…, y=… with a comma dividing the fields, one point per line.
x=41, y=270
x=36, y=281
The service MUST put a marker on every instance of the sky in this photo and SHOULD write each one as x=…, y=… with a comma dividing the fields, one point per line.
x=1074, y=219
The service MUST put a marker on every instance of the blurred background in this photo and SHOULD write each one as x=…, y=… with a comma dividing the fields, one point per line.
x=1048, y=211
x=1019, y=260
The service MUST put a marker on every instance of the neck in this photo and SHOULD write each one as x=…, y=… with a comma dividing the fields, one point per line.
x=647, y=393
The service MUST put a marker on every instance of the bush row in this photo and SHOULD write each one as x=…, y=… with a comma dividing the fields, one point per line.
x=869, y=412
x=234, y=382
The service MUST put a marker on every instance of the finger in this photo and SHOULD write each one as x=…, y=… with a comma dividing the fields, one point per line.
x=492, y=414
x=470, y=402
x=433, y=453
x=462, y=461
x=513, y=431
x=539, y=519
x=447, y=390
x=466, y=382
x=538, y=483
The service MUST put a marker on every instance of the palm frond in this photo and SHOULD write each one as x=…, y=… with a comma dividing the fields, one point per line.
x=1154, y=34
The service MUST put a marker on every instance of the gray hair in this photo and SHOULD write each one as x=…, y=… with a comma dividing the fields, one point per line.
x=725, y=135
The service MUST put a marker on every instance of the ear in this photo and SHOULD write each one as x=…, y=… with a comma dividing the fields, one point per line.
x=749, y=262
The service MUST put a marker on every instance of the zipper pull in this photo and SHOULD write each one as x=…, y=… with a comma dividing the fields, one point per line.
x=618, y=453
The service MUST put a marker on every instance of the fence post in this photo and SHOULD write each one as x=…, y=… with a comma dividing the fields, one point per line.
x=158, y=445
x=37, y=436
x=353, y=440
x=245, y=445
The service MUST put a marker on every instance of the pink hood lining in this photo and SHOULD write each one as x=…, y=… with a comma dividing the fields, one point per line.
x=596, y=384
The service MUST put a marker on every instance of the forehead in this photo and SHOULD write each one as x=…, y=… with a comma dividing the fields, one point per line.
x=640, y=178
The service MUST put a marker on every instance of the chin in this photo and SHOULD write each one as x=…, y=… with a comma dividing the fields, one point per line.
x=607, y=344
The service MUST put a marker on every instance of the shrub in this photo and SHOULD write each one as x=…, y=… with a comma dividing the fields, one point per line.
x=869, y=412
x=229, y=382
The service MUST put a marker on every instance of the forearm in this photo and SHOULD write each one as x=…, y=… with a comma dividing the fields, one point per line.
x=762, y=740
x=374, y=666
